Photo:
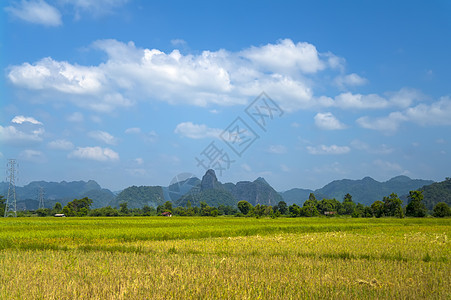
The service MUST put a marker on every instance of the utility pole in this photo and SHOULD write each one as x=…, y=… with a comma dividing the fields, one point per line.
x=41, y=197
x=11, y=209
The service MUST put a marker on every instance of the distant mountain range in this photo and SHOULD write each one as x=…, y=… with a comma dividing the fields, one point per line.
x=365, y=191
x=63, y=192
x=214, y=193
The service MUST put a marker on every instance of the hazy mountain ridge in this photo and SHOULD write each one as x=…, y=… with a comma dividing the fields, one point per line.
x=63, y=192
x=365, y=190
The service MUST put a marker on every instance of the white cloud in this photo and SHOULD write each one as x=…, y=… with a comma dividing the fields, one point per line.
x=349, y=80
x=359, y=101
x=33, y=156
x=197, y=131
x=328, y=121
x=211, y=77
x=94, y=153
x=178, y=42
x=133, y=130
x=22, y=133
x=405, y=97
x=35, y=11
x=86, y=84
x=387, y=124
x=103, y=136
x=22, y=119
x=332, y=149
x=76, y=117
x=286, y=57
x=277, y=149
x=139, y=161
x=61, y=145
x=437, y=113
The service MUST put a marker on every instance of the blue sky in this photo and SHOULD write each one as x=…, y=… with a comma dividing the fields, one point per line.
x=136, y=92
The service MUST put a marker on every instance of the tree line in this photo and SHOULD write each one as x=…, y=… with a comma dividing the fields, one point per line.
x=390, y=206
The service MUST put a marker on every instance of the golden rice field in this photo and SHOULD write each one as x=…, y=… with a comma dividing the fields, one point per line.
x=224, y=258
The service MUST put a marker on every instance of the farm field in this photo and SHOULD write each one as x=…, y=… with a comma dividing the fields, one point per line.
x=224, y=258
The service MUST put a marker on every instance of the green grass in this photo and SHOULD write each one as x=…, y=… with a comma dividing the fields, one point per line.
x=224, y=258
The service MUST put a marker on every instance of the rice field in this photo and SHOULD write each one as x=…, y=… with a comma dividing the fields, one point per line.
x=224, y=258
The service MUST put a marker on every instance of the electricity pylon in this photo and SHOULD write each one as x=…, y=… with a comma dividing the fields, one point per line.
x=11, y=209
x=41, y=197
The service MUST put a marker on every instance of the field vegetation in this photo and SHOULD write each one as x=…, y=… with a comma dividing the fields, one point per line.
x=225, y=258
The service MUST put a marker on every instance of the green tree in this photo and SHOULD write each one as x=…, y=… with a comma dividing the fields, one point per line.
x=442, y=210
x=348, y=206
x=168, y=206
x=77, y=207
x=43, y=212
x=367, y=212
x=2, y=206
x=358, y=211
x=393, y=206
x=244, y=206
x=295, y=210
x=57, y=208
x=123, y=208
x=282, y=207
x=378, y=208
x=416, y=207
x=309, y=209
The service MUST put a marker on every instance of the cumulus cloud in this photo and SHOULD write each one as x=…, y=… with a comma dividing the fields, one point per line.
x=197, y=131
x=178, y=42
x=387, y=124
x=103, y=136
x=332, y=149
x=327, y=121
x=437, y=113
x=22, y=119
x=35, y=11
x=434, y=114
x=211, y=77
x=94, y=153
x=286, y=57
x=133, y=130
x=60, y=145
x=349, y=80
x=405, y=97
x=22, y=131
x=359, y=101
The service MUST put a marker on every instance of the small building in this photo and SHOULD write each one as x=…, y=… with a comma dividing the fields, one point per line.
x=60, y=215
x=166, y=214
x=330, y=213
